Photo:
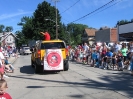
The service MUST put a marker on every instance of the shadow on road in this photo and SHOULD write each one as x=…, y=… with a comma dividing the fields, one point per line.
x=35, y=87
x=30, y=70
x=115, y=83
x=121, y=82
x=27, y=69
x=77, y=96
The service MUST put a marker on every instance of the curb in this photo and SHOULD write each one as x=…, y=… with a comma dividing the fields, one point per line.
x=14, y=60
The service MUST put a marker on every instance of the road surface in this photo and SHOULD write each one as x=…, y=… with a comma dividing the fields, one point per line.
x=79, y=82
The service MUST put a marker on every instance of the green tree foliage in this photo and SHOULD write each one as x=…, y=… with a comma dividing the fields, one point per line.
x=21, y=38
x=44, y=20
x=27, y=28
x=2, y=28
x=131, y=20
x=122, y=22
x=76, y=31
x=63, y=33
x=6, y=29
x=24, y=20
x=9, y=29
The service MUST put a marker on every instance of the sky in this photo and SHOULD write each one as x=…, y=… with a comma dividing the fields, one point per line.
x=75, y=11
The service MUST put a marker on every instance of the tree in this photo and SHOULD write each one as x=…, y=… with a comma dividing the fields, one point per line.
x=131, y=20
x=44, y=19
x=27, y=29
x=23, y=20
x=122, y=22
x=2, y=28
x=8, y=29
x=63, y=34
x=76, y=31
x=21, y=38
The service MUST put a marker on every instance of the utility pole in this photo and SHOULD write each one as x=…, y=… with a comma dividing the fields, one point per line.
x=56, y=18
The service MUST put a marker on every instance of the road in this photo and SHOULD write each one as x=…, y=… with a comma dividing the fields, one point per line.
x=80, y=82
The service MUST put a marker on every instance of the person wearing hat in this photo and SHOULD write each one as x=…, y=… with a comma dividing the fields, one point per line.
x=46, y=35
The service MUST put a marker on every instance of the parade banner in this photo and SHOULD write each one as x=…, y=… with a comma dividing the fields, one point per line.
x=53, y=59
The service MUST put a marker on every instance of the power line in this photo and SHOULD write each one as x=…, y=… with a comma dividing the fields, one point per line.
x=95, y=10
x=70, y=6
x=106, y=8
x=66, y=20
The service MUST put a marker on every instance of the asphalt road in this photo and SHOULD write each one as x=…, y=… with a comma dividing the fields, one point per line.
x=80, y=82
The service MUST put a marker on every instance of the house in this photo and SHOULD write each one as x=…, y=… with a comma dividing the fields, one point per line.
x=106, y=34
x=89, y=36
x=8, y=39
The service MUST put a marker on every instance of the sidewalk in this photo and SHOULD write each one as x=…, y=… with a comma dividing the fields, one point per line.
x=12, y=59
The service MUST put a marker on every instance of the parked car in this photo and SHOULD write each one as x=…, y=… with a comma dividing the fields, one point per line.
x=25, y=51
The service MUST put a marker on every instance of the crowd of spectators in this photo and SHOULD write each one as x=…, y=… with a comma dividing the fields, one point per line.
x=6, y=52
x=5, y=66
x=100, y=55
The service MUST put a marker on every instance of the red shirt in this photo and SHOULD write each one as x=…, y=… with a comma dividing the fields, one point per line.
x=97, y=48
x=5, y=96
x=46, y=36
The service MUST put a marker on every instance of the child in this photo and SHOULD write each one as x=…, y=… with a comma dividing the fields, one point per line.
x=8, y=65
x=97, y=59
x=94, y=56
x=84, y=57
x=114, y=60
x=78, y=55
x=119, y=61
x=3, y=87
x=81, y=56
x=104, y=63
